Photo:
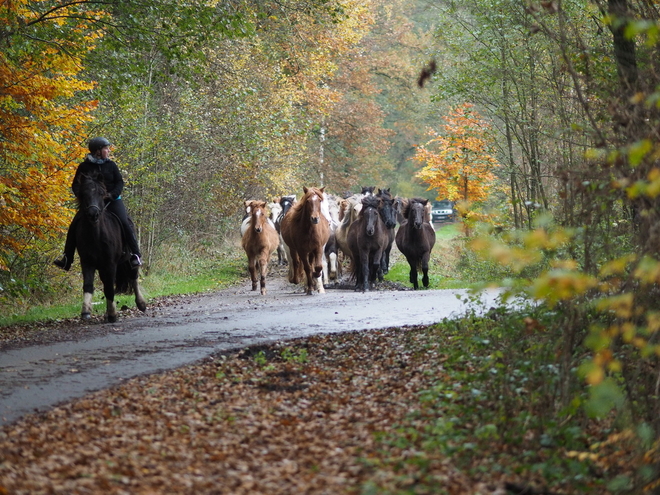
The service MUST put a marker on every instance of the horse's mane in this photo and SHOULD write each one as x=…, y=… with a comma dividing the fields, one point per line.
x=385, y=194
x=407, y=206
x=373, y=201
x=297, y=209
x=85, y=179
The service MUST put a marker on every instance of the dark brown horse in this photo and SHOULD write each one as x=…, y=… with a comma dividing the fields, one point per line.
x=367, y=239
x=305, y=232
x=415, y=239
x=101, y=247
x=388, y=215
x=285, y=203
x=259, y=242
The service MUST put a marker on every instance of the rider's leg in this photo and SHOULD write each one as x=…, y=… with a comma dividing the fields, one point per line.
x=69, y=247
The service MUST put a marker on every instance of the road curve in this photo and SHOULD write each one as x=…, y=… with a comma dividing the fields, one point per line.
x=38, y=377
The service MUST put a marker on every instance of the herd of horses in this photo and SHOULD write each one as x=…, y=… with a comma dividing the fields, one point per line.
x=311, y=234
x=308, y=234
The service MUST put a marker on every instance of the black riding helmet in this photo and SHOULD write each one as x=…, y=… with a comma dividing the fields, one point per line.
x=97, y=143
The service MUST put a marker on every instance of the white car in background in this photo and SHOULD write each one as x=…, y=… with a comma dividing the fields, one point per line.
x=443, y=211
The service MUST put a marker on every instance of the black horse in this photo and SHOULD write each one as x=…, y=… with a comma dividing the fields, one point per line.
x=101, y=247
x=388, y=215
x=367, y=239
x=415, y=239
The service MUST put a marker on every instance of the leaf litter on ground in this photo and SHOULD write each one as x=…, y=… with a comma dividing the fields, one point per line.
x=326, y=414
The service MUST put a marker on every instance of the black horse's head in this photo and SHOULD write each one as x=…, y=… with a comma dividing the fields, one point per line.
x=370, y=211
x=416, y=212
x=91, y=196
x=386, y=209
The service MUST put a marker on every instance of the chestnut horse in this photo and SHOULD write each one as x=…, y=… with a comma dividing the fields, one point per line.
x=415, y=239
x=259, y=241
x=305, y=231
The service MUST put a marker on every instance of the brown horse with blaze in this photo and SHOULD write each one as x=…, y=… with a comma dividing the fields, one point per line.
x=259, y=241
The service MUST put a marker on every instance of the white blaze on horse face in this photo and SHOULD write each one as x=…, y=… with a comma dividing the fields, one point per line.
x=257, y=217
x=315, y=199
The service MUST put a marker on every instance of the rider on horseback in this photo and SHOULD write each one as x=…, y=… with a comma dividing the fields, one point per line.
x=98, y=162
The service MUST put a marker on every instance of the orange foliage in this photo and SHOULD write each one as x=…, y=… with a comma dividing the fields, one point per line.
x=41, y=126
x=459, y=164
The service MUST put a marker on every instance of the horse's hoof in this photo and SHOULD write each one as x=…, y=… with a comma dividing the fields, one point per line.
x=111, y=319
x=85, y=316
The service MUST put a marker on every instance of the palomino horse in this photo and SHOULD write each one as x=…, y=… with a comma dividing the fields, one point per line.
x=259, y=242
x=368, y=237
x=101, y=247
x=415, y=239
x=306, y=231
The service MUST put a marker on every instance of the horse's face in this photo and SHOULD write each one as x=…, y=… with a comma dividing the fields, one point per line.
x=259, y=215
x=91, y=197
x=372, y=217
x=313, y=201
x=315, y=208
x=416, y=214
x=275, y=210
x=287, y=202
x=387, y=213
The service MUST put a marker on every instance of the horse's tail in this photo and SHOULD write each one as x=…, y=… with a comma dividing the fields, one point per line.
x=123, y=278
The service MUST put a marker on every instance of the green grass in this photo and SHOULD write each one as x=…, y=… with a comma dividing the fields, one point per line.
x=196, y=275
x=444, y=259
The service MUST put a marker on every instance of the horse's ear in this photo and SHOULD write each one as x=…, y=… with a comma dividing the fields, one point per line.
x=323, y=189
x=305, y=189
x=99, y=178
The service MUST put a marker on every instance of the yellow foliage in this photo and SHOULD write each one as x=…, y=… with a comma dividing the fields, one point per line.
x=41, y=127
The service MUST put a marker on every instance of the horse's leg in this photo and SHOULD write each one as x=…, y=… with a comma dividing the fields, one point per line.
x=318, y=260
x=88, y=291
x=263, y=270
x=333, y=266
x=281, y=254
x=386, y=259
x=425, y=268
x=413, y=272
x=253, y=261
x=140, y=302
x=378, y=265
x=324, y=269
x=365, y=269
x=108, y=278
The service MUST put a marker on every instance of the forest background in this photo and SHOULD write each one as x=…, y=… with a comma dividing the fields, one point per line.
x=211, y=103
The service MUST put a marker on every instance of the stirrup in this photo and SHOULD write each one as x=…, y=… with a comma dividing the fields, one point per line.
x=135, y=261
x=62, y=263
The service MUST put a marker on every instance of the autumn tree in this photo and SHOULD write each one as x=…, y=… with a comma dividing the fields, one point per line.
x=459, y=163
x=42, y=116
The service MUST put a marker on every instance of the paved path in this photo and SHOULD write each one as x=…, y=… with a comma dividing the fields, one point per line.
x=38, y=377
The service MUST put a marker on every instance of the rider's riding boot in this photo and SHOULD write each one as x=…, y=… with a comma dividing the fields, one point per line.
x=63, y=263
x=135, y=260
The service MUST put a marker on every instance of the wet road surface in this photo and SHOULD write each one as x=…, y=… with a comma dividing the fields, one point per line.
x=36, y=378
